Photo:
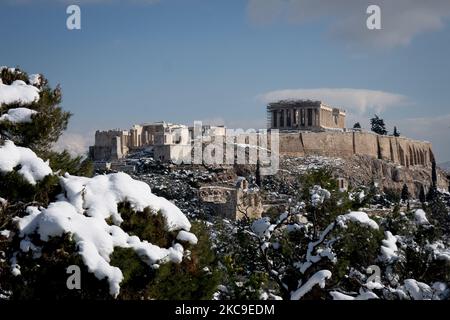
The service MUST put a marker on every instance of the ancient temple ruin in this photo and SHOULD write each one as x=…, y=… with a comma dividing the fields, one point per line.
x=165, y=139
x=232, y=201
x=304, y=115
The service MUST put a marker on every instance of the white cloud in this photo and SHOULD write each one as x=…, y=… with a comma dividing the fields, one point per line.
x=401, y=20
x=359, y=101
x=76, y=144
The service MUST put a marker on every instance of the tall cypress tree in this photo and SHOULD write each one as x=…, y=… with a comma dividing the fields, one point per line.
x=433, y=173
x=405, y=193
x=258, y=174
x=422, y=197
x=396, y=133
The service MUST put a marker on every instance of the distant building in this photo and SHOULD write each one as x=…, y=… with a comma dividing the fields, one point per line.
x=304, y=115
x=209, y=131
x=110, y=145
x=168, y=141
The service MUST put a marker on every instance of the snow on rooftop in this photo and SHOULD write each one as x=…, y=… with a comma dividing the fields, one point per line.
x=18, y=92
x=18, y=115
x=32, y=167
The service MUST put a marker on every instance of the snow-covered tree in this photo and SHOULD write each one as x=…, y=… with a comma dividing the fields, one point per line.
x=111, y=226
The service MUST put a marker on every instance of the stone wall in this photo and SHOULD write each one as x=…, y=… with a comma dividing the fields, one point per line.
x=231, y=202
x=399, y=150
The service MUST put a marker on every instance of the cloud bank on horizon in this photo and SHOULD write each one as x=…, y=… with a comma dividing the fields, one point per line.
x=360, y=101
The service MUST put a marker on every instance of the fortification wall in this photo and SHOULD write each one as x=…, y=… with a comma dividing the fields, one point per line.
x=399, y=150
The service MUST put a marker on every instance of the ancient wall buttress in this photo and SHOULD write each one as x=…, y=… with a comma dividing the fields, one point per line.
x=400, y=150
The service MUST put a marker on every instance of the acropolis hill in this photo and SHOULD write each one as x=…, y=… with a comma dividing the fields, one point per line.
x=306, y=127
x=314, y=128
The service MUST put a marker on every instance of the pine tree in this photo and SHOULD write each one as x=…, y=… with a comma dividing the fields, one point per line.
x=378, y=126
x=44, y=277
x=47, y=124
x=357, y=125
x=405, y=193
x=396, y=133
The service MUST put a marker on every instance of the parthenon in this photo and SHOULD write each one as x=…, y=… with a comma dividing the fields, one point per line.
x=304, y=115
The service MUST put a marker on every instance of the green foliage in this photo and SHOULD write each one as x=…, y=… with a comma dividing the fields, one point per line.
x=358, y=246
x=324, y=214
x=195, y=278
x=392, y=195
x=47, y=125
x=438, y=214
x=357, y=125
x=8, y=77
x=396, y=223
x=242, y=262
x=15, y=188
x=44, y=278
x=63, y=162
x=186, y=280
x=136, y=273
x=322, y=177
x=146, y=224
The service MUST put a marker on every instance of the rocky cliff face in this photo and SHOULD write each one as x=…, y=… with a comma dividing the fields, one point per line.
x=358, y=170
x=363, y=170
x=399, y=150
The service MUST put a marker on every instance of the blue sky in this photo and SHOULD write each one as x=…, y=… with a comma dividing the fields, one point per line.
x=218, y=61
